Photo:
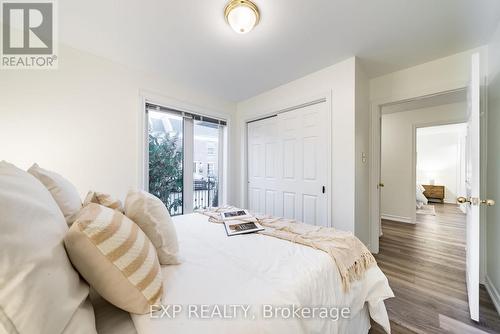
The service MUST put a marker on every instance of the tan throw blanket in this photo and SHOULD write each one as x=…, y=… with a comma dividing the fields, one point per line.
x=350, y=255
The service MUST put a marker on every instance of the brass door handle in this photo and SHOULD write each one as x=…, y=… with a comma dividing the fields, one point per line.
x=381, y=185
x=488, y=202
x=475, y=201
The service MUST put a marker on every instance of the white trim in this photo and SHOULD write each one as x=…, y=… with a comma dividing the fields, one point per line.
x=325, y=97
x=400, y=219
x=493, y=292
x=483, y=216
x=143, y=161
x=187, y=171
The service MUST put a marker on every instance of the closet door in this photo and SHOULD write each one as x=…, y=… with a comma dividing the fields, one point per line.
x=288, y=164
x=264, y=175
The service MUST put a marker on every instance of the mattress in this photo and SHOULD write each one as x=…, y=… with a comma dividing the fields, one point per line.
x=223, y=275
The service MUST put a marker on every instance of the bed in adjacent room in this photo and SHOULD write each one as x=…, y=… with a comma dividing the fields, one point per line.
x=421, y=199
x=256, y=272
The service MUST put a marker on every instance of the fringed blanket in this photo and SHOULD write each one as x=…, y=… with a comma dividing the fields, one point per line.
x=350, y=255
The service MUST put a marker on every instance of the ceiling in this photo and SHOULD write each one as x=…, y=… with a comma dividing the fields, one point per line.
x=189, y=42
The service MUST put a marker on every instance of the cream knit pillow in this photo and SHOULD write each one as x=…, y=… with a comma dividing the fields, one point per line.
x=63, y=191
x=116, y=258
x=153, y=218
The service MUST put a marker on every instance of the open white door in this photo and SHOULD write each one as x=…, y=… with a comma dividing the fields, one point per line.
x=472, y=199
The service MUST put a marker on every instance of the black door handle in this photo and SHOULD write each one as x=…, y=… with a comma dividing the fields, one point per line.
x=324, y=189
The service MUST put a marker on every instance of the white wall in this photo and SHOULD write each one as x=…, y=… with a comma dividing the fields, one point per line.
x=429, y=78
x=338, y=79
x=362, y=148
x=441, y=158
x=397, y=201
x=83, y=119
x=493, y=184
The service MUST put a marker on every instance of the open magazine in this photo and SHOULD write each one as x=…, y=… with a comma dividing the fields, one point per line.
x=235, y=227
x=235, y=215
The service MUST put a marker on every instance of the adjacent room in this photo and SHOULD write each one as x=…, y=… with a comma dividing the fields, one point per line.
x=441, y=168
x=422, y=155
x=425, y=173
x=249, y=166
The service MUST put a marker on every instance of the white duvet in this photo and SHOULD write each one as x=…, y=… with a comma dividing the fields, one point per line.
x=258, y=273
x=421, y=199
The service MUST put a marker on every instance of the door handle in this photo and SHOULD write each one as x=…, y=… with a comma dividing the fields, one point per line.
x=488, y=202
x=381, y=185
x=475, y=201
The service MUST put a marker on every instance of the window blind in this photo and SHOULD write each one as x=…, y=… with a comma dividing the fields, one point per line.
x=185, y=114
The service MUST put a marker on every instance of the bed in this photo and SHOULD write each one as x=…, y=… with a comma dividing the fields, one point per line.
x=421, y=199
x=253, y=271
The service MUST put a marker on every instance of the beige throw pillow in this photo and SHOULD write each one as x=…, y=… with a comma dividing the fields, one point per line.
x=104, y=200
x=40, y=291
x=63, y=191
x=116, y=258
x=153, y=218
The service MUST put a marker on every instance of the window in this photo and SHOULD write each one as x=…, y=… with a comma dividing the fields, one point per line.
x=185, y=153
x=211, y=149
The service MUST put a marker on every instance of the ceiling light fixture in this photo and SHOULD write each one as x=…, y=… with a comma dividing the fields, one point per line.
x=242, y=15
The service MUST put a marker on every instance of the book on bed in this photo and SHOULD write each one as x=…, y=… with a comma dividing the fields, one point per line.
x=235, y=215
x=236, y=227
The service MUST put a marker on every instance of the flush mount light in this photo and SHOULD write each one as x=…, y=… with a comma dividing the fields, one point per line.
x=242, y=15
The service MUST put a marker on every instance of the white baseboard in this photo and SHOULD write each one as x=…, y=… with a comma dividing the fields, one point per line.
x=493, y=292
x=397, y=218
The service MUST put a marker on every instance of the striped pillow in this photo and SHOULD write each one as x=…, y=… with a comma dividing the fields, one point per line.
x=103, y=199
x=115, y=257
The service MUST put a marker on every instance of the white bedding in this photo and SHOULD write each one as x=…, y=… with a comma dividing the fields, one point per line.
x=255, y=270
x=421, y=199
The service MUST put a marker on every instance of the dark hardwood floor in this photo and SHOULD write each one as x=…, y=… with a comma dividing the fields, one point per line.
x=425, y=265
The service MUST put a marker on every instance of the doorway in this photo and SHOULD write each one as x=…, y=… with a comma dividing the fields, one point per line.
x=475, y=181
x=400, y=125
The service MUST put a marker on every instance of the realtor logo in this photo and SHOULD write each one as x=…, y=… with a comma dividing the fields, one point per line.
x=28, y=35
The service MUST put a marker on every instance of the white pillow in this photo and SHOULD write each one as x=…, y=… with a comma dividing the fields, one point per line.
x=153, y=218
x=40, y=290
x=63, y=191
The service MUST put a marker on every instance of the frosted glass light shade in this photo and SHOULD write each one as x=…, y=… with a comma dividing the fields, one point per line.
x=242, y=15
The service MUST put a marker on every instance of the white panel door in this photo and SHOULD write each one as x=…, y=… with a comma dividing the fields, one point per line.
x=473, y=188
x=288, y=164
x=263, y=170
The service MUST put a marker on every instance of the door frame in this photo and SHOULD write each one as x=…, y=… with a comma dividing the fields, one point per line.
x=375, y=152
x=374, y=179
x=325, y=97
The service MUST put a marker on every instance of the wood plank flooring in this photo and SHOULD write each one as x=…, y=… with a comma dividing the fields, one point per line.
x=425, y=265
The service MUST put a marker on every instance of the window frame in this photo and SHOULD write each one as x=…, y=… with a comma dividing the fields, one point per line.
x=188, y=163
